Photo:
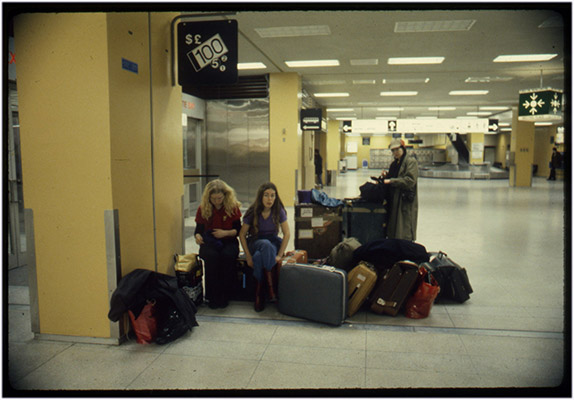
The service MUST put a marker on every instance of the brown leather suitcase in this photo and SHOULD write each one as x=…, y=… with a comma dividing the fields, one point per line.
x=317, y=229
x=361, y=280
x=394, y=288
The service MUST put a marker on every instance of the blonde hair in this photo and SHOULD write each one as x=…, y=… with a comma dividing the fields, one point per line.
x=230, y=202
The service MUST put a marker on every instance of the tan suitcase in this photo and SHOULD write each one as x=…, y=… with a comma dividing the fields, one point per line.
x=361, y=280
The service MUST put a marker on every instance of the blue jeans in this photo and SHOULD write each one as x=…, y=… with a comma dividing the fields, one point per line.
x=263, y=250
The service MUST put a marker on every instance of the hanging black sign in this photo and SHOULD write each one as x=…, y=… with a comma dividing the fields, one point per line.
x=311, y=119
x=207, y=53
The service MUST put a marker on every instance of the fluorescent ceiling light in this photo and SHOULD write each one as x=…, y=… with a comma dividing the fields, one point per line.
x=339, y=109
x=467, y=92
x=466, y=117
x=390, y=108
x=442, y=108
x=524, y=57
x=543, y=123
x=346, y=118
x=414, y=60
x=292, y=31
x=479, y=113
x=487, y=79
x=434, y=26
x=503, y=124
x=494, y=108
x=398, y=93
x=364, y=81
x=365, y=61
x=327, y=82
x=426, y=117
x=312, y=63
x=251, y=65
x=387, y=81
x=331, y=95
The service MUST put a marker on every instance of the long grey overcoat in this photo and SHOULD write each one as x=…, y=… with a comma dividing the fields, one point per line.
x=402, y=215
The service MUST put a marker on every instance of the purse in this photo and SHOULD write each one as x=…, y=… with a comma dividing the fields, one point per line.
x=420, y=303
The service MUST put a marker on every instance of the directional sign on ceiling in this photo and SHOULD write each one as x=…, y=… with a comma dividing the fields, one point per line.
x=493, y=125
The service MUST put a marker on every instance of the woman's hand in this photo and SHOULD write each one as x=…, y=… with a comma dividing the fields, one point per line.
x=219, y=233
x=249, y=260
x=278, y=258
x=387, y=181
x=199, y=239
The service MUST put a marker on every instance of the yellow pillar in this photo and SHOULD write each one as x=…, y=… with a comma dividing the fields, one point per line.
x=285, y=137
x=333, y=151
x=522, y=146
x=96, y=137
x=476, y=147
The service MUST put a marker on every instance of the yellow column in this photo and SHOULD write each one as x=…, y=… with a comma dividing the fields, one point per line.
x=333, y=152
x=285, y=137
x=476, y=147
x=96, y=137
x=522, y=145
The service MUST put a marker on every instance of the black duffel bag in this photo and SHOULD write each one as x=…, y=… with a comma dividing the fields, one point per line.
x=451, y=277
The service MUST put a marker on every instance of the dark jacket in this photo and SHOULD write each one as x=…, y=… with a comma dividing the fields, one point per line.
x=403, y=214
x=138, y=286
x=384, y=253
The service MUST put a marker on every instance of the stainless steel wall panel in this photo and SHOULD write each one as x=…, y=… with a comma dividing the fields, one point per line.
x=238, y=144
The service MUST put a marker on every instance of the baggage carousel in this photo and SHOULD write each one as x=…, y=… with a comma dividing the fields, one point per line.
x=461, y=171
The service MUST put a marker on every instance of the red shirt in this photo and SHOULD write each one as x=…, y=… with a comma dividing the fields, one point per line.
x=219, y=219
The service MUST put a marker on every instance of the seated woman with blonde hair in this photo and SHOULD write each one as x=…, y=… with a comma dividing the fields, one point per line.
x=218, y=222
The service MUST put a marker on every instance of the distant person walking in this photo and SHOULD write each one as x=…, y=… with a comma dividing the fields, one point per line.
x=319, y=168
x=555, y=162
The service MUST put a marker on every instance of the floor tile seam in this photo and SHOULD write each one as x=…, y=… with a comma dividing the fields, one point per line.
x=402, y=328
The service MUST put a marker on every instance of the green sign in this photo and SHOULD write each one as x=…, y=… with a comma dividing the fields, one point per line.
x=540, y=105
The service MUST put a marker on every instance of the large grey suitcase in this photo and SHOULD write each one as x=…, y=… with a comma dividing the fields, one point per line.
x=317, y=293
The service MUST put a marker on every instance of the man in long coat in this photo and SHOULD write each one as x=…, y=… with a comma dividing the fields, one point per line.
x=402, y=209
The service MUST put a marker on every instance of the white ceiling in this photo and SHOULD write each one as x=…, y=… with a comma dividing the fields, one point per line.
x=373, y=34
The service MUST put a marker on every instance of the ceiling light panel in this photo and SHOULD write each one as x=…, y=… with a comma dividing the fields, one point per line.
x=312, y=63
x=331, y=95
x=364, y=81
x=434, y=26
x=391, y=81
x=467, y=92
x=414, y=60
x=365, y=61
x=251, y=65
x=487, y=79
x=442, y=108
x=390, y=108
x=293, y=31
x=400, y=93
x=524, y=57
x=326, y=82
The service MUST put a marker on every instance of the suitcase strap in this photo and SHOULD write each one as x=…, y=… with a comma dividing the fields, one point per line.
x=384, y=303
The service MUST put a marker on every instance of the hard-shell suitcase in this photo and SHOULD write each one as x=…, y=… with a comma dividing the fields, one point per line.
x=317, y=229
x=394, y=288
x=364, y=221
x=361, y=280
x=189, y=273
x=316, y=293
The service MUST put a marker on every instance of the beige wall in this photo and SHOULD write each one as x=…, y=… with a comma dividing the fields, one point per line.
x=87, y=128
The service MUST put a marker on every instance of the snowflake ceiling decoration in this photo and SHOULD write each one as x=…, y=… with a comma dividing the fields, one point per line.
x=555, y=103
x=533, y=104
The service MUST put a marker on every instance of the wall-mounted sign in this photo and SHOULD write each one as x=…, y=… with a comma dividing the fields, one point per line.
x=540, y=105
x=493, y=125
x=347, y=126
x=311, y=119
x=207, y=53
x=416, y=126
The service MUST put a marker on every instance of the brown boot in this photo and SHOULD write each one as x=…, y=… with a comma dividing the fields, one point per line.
x=259, y=300
x=270, y=288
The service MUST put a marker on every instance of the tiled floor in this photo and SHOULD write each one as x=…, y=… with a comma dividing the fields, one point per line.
x=510, y=334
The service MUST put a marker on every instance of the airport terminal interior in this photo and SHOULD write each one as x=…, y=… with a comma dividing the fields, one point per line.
x=510, y=334
x=149, y=144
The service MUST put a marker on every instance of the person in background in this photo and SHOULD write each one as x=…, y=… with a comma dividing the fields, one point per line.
x=555, y=162
x=402, y=199
x=319, y=168
x=260, y=239
x=218, y=222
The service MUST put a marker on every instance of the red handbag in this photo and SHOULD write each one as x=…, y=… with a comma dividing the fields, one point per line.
x=420, y=303
x=145, y=325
